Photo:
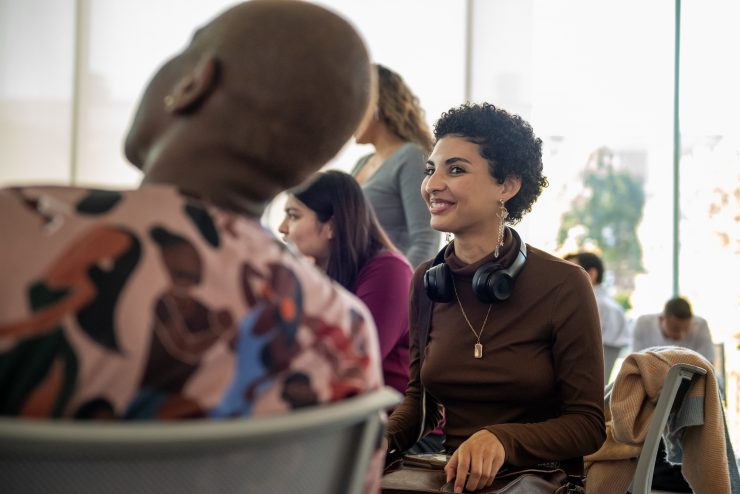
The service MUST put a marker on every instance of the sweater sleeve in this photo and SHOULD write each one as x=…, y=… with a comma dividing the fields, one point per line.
x=405, y=422
x=424, y=239
x=579, y=378
x=383, y=286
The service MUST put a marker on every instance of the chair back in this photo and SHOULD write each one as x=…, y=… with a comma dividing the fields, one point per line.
x=319, y=450
x=676, y=385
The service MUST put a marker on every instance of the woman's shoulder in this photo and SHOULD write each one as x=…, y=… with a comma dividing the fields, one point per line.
x=413, y=148
x=385, y=268
x=390, y=259
x=386, y=263
x=409, y=152
x=550, y=265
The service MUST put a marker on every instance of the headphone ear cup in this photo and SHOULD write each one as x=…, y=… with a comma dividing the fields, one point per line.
x=492, y=287
x=438, y=283
x=481, y=281
x=491, y=284
x=501, y=286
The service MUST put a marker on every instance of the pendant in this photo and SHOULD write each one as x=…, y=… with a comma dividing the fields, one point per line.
x=478, y=351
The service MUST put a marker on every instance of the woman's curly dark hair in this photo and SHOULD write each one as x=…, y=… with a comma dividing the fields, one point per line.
x=507, y=142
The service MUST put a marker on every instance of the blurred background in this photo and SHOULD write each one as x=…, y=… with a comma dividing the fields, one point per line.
x=595, y=78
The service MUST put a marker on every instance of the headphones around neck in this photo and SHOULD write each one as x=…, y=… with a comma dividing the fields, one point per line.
x=491, y=283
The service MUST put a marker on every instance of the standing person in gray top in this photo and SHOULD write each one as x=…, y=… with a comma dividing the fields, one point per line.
x=391, y=176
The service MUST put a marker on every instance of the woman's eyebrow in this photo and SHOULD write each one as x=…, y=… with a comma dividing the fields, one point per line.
x=450, y=161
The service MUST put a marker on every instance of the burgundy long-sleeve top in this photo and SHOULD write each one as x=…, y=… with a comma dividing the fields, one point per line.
x=539, y=386
x=383, y=285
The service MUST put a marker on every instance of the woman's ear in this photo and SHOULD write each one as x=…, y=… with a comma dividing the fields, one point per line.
x=511, y=187
x=195, y=86
x=329, y=228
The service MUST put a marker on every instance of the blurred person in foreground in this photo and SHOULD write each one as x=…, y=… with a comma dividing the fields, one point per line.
x=172, y=301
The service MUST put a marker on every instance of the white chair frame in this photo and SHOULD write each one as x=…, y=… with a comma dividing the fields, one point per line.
x=676, y=385
x=319, y=450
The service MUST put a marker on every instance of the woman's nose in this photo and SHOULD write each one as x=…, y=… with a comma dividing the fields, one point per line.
x=433, y=183
x=283, y=228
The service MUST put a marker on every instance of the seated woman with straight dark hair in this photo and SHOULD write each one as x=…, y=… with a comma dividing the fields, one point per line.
x=330, y=220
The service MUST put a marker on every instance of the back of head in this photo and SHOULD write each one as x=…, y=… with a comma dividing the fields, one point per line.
x=336, y=196
x=678, y=307
x=399, y=109
x=276, y=89
x=588, y=261
x=507, y=141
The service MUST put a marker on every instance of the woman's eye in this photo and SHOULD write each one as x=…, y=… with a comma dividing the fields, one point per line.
x=428, y=171
x=456, y=170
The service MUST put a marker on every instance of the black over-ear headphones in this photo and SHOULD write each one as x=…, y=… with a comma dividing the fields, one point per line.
x=491, y=283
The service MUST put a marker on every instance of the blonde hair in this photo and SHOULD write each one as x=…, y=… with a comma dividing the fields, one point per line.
x=399, y=109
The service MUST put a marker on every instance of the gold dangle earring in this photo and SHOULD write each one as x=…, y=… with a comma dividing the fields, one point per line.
x=448, y=237
x=502, y=214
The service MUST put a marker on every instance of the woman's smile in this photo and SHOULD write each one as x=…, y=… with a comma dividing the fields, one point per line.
x=439, y=206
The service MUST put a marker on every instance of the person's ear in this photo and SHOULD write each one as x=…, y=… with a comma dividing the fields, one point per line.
x=193, y=88
x=329, y=225
x=593, y=275
x=511, y=187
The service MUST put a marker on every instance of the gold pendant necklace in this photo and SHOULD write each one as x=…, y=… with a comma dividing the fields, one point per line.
x=478, y=347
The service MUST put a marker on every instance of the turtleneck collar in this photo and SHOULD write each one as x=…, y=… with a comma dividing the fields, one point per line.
x=507, y=254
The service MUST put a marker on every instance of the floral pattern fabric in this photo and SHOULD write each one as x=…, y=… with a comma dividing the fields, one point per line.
x=148, y=304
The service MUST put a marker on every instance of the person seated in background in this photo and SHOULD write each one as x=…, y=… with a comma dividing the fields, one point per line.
x=614, y=328
x=329, y=220
x=172, y=301
x=503, y=335
x=392, y=174
x=675, y=326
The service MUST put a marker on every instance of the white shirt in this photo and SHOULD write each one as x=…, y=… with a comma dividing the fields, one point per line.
x=614, y=328
x=647, y=333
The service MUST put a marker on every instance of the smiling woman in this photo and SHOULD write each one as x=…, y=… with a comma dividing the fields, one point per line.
x=486, y=170
x=461, y=193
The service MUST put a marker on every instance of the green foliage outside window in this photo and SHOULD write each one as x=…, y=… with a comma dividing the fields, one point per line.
x=607, y=214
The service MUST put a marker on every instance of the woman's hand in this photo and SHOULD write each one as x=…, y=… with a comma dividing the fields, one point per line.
x=482, y=454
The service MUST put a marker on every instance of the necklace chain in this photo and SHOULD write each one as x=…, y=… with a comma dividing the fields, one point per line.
x=483, y=326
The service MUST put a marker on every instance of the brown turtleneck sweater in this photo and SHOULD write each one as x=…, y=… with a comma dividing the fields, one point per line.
x=539, y=386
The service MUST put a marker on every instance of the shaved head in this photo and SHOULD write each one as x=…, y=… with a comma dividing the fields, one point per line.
x=264, y=95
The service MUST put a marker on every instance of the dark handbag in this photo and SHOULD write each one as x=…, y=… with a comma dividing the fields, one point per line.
x=405, y=479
